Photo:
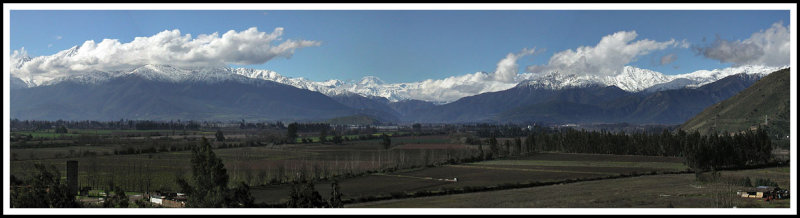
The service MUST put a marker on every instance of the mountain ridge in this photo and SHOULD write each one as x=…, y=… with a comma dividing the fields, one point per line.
x=765, y=102
x=630, y=79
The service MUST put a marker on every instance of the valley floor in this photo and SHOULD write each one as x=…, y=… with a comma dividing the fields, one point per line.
x=655, y=191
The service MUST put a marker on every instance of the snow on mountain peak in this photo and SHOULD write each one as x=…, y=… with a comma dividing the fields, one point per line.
x=446, y=90
x=702, y=77
x=371, y=80
x=634, y=79
x=162, y=72
x=630, y=79
x=69, y=52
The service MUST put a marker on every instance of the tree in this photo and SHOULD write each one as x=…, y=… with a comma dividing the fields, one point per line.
x=386, y=141
x=337, y=139
x=507, y=144
x=291, y=132
x=220, y=136
x=44, y=190
x=417, y=127
x=336, y=196
x=209, y=182
x=117, y=200
x=242, y=196
x=530, y=144
x=303, y=195
x=323, y=136
x=493, y=147
x=480, y=150
x=61, y=129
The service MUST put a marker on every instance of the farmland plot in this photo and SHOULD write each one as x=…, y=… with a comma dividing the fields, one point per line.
x=549, y=167
x=655, y=191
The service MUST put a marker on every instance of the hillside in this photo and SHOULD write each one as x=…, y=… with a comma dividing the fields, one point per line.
x=768, y=98
x=135, y=97
x=585, y=104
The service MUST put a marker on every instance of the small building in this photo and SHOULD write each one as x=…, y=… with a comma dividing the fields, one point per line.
x=765, y=192
x=157, y=199
x=169, y=199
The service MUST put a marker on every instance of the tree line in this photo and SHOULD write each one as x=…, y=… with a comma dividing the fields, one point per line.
x=29, y=125
x=701, y=152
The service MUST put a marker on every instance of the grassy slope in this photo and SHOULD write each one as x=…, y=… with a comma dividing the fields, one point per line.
x=769, y=96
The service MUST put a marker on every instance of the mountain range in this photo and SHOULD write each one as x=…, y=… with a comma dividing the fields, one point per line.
x=222, y=93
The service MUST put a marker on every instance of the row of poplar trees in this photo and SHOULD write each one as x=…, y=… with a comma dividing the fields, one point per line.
x=700, y=152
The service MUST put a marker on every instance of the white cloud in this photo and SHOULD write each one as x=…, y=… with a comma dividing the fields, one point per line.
x=768, y=47
x=507, y=68
x=455, y=87
x=59, y=37
x=168, y=47
x=607, y=58
x=684, y=44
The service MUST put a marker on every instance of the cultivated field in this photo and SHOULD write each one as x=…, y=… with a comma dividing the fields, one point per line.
x=368, y=174
x=655, y=191
x=156, y=161
x=545, y=167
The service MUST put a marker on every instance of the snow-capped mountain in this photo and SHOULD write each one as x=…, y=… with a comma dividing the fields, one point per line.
x=167, y=73
x=169, y=92
x=634, y=79
x=367, y=86
x=155, y=72
x=630, y=79
x=703, y=77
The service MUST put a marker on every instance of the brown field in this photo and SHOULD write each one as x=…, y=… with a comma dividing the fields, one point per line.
x=600, y=157
x=656, y=191
x=261, y=166
x=552, y=167
x=431, y=146
x=254, y=165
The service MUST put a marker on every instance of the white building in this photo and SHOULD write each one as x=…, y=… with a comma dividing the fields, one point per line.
x=157, y=199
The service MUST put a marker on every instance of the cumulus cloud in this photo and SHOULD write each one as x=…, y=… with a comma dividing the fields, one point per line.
x=768, y=47
x=168, y=47
x=452, y=88
x=607, y=58
x=668, y=59
x=455, y=87
x=508, y=68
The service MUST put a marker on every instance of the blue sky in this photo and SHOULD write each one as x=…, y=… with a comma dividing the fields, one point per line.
x=407, y=46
